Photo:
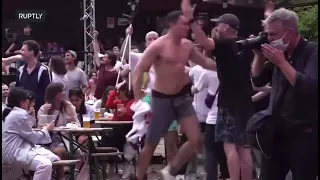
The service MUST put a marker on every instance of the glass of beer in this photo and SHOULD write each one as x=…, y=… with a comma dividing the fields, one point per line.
x=97, y=114
x=86, y=120
x=102, y=111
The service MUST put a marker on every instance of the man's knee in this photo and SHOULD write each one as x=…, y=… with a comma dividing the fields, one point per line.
x=230, y=151
x=45, y=165
x=60, y=151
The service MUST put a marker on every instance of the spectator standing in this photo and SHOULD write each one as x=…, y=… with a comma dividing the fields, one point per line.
x=76, y=76
x=107, y=75
x=116, y=51
x=5, y=93
x=17, y=43
x=235, y=105
x=59, y=72
x=294, y=98
x=33, y=76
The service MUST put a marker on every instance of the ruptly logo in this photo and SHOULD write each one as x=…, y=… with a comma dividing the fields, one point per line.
x=30, y=15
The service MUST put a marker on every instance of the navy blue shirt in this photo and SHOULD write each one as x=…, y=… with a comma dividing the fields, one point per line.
x=36, y=82
x=298, y=104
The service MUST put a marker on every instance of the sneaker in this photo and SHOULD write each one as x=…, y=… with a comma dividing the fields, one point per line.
x=166, y=175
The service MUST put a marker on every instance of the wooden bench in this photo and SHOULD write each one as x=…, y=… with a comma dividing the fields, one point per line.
x=65, y=162
x=99, y=159
x=106, y=154
x=100, y=149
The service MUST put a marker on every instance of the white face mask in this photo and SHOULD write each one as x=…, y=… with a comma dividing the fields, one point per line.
x=279, y=44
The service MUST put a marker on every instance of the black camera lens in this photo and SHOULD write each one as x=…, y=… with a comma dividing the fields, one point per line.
x=254, y=43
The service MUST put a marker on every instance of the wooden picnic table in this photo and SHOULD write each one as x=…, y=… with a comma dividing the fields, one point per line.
x=81, y=130
x=71, y=133
x=105, y=122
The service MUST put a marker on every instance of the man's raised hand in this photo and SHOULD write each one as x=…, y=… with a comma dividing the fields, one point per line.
x=187, y=9
x=95, y=34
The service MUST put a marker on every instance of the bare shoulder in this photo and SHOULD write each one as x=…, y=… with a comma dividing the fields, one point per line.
x=157, y=45
x=187, y=43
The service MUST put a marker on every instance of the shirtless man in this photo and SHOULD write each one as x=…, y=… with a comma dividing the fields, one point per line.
x=171, y=138
x=171, y=94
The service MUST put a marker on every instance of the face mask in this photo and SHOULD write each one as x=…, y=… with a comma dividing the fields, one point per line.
x=279, y=44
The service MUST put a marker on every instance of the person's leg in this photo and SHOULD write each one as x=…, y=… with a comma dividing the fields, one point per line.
x=277, y=167
x=189, y=123
x=303, y=156
x=191, y=170
x=210, y=154
x=84, y=141
x=62, y=153
x=191, y=128
x=192, y=165
x=162, y=116
x=233, y=160
x=222, y=160
x=171, y=140
x=225, y=131
x=42, y=167
x=245, y=162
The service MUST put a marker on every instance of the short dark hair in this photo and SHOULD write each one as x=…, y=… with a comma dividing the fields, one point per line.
x=32, y=46
x=16, y=96
x=78, y=92
x=57, y=65
x=112, y=57
x=173, y=17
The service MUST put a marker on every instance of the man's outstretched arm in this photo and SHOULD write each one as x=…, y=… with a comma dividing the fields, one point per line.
x=200, y=59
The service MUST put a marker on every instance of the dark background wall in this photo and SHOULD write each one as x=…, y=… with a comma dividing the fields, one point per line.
x=62, y=22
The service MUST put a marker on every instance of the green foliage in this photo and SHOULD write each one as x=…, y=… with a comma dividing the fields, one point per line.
x=308, y=21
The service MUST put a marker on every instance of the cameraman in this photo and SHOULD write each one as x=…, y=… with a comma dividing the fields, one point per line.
x=294, y=97
x=234, y=100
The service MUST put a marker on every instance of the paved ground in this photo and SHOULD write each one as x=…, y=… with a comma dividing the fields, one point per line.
x=152, y=175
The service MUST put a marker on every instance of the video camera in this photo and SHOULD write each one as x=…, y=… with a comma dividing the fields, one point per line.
x=253, y=43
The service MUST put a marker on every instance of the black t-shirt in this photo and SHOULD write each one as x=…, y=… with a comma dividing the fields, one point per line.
x=20, y=39
x=234, y=75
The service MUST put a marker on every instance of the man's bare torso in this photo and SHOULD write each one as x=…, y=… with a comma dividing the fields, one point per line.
x=169, y=68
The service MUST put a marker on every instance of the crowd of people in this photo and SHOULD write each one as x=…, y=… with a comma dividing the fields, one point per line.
x=206, y=90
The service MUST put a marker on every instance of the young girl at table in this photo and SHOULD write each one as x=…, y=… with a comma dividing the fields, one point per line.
x=19, y=140
x=64, y=113
x=120, y=101
x=77, y=99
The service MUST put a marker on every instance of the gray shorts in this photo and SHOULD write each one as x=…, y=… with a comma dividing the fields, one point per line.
x=167, y=108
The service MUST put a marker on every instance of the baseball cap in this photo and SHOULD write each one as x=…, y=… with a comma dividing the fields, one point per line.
x=73, y=53
x=230, y=19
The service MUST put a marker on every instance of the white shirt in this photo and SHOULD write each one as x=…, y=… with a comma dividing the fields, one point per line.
x=118, y=65
x=199, y=98
x=210, y=79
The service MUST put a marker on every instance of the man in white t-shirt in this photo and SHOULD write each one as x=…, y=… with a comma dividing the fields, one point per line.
x=214, y=150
